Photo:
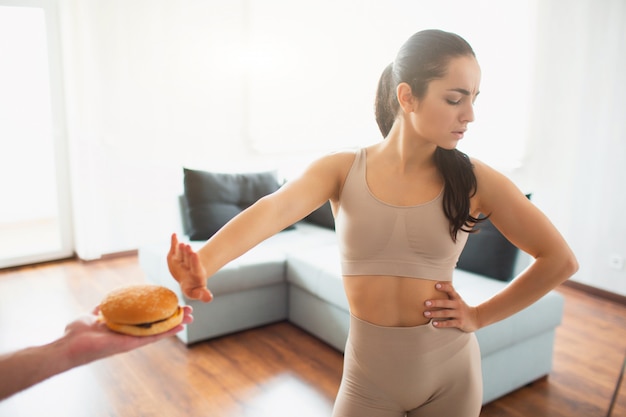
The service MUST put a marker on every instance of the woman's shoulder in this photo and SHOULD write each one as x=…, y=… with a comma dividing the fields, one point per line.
x=340, y=158
x=346, y=152
x=484, y=171
x=328, y=171
x=332, y=164
x=486, y=174
x=333, y=167
x=493, y=187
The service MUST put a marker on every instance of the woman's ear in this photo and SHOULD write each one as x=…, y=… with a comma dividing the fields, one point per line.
x=407, y=100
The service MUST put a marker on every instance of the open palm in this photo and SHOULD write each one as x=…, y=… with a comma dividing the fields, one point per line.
x=186, y=268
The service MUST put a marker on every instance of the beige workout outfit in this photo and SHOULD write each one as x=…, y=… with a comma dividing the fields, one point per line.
x=402, y=371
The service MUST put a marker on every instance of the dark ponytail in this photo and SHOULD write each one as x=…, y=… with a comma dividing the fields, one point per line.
x=424, y=57
x=386, y=104
x=460, y=185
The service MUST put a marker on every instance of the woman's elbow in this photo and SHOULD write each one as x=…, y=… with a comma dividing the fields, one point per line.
x=569, y=265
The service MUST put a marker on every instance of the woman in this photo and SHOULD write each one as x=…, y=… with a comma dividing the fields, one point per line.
x=403, y=210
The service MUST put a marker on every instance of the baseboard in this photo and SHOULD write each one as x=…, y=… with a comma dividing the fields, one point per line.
x=597, y=292
x=109, y=256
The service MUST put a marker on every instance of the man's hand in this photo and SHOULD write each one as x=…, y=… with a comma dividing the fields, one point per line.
x=88, y=338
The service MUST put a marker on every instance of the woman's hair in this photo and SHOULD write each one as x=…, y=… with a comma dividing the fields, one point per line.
x=424, y=57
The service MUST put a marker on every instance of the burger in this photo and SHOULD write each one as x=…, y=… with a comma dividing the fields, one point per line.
x=141, y=310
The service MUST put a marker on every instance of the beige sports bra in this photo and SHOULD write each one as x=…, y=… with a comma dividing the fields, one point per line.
x=377, y=238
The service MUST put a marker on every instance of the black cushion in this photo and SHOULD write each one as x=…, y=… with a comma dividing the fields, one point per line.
x=489, y=253
x=212, y=199
x=323, y=216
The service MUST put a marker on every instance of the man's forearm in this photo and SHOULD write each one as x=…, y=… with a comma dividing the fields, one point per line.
x=26, y=367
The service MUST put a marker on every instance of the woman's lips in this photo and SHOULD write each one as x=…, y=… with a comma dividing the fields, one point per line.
x=459, y=134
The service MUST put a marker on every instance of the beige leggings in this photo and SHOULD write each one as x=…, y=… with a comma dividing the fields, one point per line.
x=418, y=371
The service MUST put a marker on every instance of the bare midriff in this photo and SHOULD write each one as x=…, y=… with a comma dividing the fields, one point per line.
x=389, y=300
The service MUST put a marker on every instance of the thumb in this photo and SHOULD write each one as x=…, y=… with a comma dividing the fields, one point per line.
x=201, y=293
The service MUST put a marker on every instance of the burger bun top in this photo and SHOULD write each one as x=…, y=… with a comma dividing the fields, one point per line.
x=137, y=304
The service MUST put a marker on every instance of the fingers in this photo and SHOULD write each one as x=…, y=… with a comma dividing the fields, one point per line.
x=179, y=251
x=185, y=266
x=447, y=323
x=186, y=256
x=183, y=253
x=442, y=307
x=173, y=245
x=439, y=308
x=193, y=260
x=450, y=312
x=187, y=314
x=448, y=289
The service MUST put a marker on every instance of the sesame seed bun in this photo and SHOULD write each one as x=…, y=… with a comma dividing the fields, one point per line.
x=141, y=310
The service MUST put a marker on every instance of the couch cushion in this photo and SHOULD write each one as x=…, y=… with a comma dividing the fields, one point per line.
x=318, y=271
x=212, y=199
x=487, y=252
x=323, y=216
x=542, y=316
x=265, y=263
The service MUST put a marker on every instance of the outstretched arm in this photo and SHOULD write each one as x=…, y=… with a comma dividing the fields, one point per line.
x=86, y=339
x=320, y=182
x=528, y=229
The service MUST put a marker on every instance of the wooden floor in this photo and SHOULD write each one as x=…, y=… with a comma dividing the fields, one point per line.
x=276, y=371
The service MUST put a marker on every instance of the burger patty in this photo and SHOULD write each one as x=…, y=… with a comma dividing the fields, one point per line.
x=148, y=325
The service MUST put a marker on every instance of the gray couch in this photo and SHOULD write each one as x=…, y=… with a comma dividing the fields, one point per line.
x=295, y=275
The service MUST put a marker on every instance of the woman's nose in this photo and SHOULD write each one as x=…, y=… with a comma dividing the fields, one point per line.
x=468, y=114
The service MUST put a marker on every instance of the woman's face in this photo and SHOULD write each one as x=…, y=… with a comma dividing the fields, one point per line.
x=444, y=113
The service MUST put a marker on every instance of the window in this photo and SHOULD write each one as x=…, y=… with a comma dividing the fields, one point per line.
x=34, y=214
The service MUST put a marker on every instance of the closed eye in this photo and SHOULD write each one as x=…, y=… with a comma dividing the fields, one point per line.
x=465, y=93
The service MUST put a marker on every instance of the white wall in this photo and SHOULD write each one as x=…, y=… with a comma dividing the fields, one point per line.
x=154, y=85
x=578, y=149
